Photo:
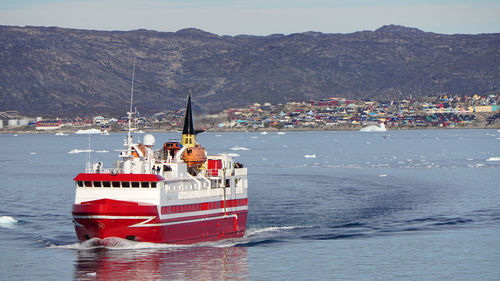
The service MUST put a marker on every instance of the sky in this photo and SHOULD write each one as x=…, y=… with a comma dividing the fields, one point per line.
x=256, y=17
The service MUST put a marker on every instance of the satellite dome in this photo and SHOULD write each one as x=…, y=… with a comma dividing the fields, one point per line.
x=149, y=140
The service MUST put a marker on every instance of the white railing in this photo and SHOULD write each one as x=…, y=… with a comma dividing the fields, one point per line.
x=240, y=172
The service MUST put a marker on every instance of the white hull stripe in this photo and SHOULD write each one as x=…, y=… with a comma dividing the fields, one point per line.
x=201, y=213
x=165, y=217
x=142, y=224
x=150, y=218
x=115, y=217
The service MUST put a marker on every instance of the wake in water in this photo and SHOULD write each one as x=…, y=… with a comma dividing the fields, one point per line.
x=114, y=243
x=253, y=236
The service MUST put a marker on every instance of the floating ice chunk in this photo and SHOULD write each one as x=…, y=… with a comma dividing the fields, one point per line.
x=236, y=148
x=382, y=175
x=218, y=135
x=374, y=128
x=75, y=151
x=7, y=222
x=281, y=133
x=33, y=153
x=254, y=137
x=102, y=151
x=263, y=133
x=88, y=131
x=493, y=159
x=476, y=165
x=310, y=156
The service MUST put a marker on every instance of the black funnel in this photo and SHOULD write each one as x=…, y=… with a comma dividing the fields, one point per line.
x=188, y=120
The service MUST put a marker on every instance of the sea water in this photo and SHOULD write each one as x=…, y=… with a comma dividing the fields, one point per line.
x=404, y=205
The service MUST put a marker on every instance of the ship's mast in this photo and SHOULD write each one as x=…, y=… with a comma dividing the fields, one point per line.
x=127, y=156
x=129, y=136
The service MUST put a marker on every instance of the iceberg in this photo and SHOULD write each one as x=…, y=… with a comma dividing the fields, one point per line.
x=235, y=148
x=75, y=151
x=374, y=128
x=7, y=222
x=88, y=131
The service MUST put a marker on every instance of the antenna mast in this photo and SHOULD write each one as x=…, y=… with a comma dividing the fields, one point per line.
x=131, y=100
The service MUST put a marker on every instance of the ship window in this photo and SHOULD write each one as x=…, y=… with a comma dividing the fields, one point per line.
x=228, y=182
x=153, y=184
x=125, y=184
x=80, y=183
x=88, y=184
x=97, y=184
x=135, y=184
x=145, y=184
x=116, y=184
x=106, y=184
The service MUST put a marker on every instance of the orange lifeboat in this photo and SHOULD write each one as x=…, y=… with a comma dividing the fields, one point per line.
x=140, y=147
x=171, y=148
x=194, y=156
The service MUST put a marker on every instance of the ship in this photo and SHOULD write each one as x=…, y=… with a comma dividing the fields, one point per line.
x=177, y=194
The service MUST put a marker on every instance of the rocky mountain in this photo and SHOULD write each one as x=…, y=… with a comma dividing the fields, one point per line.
x=56, y=71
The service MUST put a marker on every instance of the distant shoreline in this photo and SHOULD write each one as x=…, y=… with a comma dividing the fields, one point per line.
x=495, y=126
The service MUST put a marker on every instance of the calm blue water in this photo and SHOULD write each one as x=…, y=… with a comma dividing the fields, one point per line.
x=404, y=205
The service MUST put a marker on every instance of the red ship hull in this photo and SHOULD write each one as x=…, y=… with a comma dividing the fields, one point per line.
x=209, y=221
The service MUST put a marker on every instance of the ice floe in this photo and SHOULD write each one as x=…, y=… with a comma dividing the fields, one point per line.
x=310, y=156
x=374, y=128
x=491, y=159
x=88, y=131
x=75, y=151
x=236, y=148
x=7, y=222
